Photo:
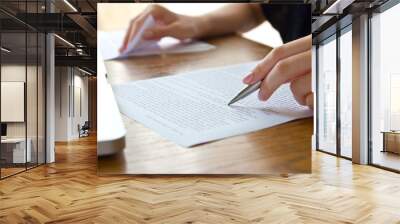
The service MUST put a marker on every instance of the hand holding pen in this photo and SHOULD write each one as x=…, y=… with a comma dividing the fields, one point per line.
x=289, y=63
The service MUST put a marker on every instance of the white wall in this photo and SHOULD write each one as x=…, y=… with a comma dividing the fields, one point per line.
x=10, y=73
x=16, y=73
x=69, y=82
x=62, y=81
x=79, y=117
x=33, y=126
x=12, y=100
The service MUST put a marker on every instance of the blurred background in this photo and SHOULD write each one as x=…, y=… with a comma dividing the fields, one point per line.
x=264, y=33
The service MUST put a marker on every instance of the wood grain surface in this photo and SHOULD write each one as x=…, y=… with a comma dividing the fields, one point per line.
x=282, y=149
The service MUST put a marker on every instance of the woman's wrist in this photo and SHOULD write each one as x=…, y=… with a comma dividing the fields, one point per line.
x=200, y=27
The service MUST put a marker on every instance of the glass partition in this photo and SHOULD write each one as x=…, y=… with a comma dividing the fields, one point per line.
x=31, y=100
x=327, y=95
x=346, y=92
x=385, y=89
x=14, y=153
x=22, y=67
x=34, y=43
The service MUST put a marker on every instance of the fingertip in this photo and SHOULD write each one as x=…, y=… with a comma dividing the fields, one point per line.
x=310, y=100
x=261, y=96
x=257, y=75
x=124, y=45
x=248, y=79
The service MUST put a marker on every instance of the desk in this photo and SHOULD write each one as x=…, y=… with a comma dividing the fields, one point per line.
x=16, y=154
x=391, y=141
x=282, y=149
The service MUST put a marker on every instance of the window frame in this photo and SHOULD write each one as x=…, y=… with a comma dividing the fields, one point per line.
x=346, y=27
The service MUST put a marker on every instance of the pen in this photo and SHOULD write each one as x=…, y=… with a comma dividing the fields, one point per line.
x=245, y=92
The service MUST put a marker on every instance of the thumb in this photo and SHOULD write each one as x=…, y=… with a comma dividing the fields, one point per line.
x=310, y=100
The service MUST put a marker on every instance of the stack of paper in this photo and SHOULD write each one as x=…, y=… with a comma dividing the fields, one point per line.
x=192, y=108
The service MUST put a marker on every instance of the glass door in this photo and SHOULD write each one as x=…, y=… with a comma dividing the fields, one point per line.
x=346, y=94
x=326, y=72
x=385, y=89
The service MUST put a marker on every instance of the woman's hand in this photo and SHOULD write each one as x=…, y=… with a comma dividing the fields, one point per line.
x=231, y=18
x=290, y=62
x=167, y=24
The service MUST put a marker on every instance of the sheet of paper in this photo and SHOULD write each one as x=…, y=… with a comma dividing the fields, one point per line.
x=110, y=42
x=138, y=42
x=191, y=108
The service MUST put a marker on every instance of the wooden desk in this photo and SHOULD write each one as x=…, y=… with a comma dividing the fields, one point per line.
x=391, y=141
x=282, y=149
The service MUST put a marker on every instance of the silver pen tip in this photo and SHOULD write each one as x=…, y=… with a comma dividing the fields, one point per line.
x=232, y=101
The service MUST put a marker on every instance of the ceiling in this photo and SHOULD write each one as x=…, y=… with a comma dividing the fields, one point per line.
x=74, y=22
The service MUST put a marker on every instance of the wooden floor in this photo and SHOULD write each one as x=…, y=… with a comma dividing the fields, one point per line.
x=5, y=172
x=387, y=159
x=10, y=171
x=69, y=191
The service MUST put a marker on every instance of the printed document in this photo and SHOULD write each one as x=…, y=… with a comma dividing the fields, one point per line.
x=191, y=108
x=110, y=42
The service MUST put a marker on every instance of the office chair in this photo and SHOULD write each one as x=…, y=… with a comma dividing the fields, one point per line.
x=84, y=130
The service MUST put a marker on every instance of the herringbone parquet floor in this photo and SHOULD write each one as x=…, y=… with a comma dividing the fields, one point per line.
x=69, y=191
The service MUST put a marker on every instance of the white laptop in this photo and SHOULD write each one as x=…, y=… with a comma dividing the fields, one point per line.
x=110, y=128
